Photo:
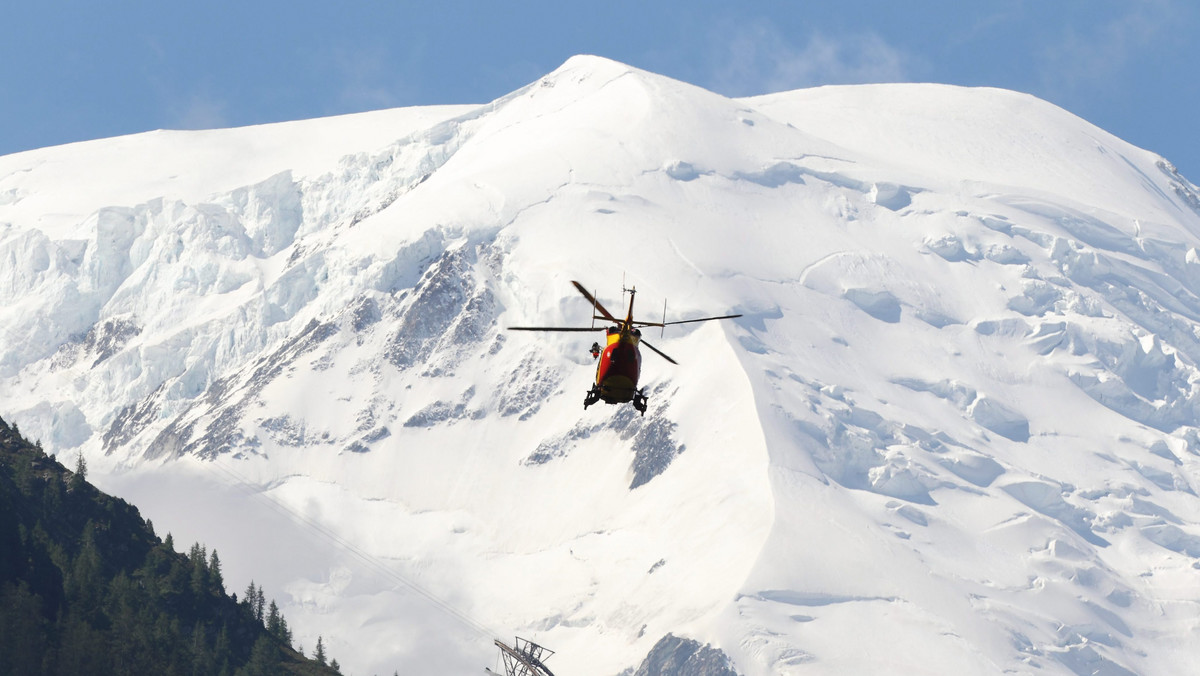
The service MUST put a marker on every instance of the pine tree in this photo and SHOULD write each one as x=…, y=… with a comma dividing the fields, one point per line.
x=273, y=620
x=203, y=660
x=23, y=631
x=337, y=669
x=80, y=475
x=82, y=648
x=222, y=649
x=199, y=577
x=255, y=601
x=83, y=584
x=214, y=571
x=264, y=659
x=285, y=634
x=197, y=554
x=52, y=497
x=260, y=605
x=319, y=653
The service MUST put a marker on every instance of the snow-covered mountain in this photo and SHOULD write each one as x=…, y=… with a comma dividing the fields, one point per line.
x=955, y=432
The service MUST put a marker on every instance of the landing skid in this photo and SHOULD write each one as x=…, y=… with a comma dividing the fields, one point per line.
x=639, y=401
x=591, y=397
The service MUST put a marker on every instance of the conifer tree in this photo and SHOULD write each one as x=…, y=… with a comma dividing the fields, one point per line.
x=203, y=661
x=273, y=619
x=214, y=571
x=80, y=475
x=255, y=601
x=264, y=659
x=84, y=582
x=221, y=648
x=199, y=577
x=52, y=497
x=23, y=637
x=284, y=633
x=319, y=653
x=197, y=553
x=260, y=603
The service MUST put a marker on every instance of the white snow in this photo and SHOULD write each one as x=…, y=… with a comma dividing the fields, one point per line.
x=953, y=433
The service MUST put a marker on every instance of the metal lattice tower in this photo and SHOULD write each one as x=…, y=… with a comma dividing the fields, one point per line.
x=526, y=659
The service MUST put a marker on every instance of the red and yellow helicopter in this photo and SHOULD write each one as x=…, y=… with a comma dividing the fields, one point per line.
x=620, y=360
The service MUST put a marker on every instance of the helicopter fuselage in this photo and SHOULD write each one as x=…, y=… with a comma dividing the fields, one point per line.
x=620, y=364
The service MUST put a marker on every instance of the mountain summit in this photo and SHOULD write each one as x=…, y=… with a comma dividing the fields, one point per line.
x=954, y=432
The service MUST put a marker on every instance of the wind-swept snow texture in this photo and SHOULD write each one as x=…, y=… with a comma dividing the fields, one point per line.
x=955, y=431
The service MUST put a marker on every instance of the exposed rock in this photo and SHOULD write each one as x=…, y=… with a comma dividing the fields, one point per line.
x=675, y=656
x=653, y=443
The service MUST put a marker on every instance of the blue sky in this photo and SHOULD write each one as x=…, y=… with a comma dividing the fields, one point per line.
x=77, y=70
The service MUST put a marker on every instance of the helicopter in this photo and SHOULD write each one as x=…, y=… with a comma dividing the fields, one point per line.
x=619, y=362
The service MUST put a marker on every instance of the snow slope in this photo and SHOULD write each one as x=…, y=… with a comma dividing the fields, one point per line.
x=954, y=432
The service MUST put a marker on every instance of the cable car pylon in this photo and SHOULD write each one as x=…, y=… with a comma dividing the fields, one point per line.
x=526, y=659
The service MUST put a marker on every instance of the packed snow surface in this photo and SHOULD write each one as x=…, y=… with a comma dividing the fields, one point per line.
x=954, y=431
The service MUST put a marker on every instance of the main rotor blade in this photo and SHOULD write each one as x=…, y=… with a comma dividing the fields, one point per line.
x=595, y=303
x=556, y=328
x=660, y=353
x=702, y=319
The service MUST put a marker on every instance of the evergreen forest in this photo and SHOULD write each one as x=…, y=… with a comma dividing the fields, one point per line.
x=86, y=587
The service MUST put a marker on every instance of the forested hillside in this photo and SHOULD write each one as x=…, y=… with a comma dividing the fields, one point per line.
x=86, y=587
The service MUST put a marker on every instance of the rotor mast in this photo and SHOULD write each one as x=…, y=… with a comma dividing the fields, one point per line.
x=627, y=326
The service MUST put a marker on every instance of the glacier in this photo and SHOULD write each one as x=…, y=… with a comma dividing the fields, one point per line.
x=954, y=432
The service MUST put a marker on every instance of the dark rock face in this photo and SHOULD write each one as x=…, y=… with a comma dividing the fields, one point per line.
x=530, y=384
x=107, y=338
x=447, y=318
x=131, y=420
x=103, y=340
x=228, y=398
x=447, y=314
x=675, y=656
x=651, y=439
x=654, y=448
x=366, y=314
x=441, y=412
